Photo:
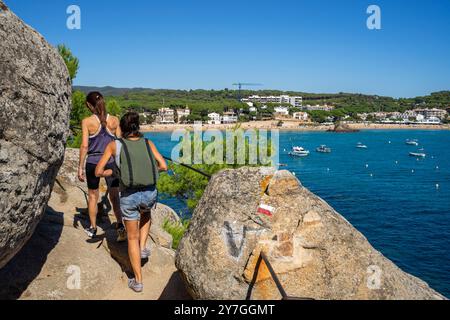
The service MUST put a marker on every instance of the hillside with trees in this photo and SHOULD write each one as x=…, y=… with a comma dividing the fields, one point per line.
x=201, y=101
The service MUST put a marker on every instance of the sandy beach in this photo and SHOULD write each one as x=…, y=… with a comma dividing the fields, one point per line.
x=291, y=126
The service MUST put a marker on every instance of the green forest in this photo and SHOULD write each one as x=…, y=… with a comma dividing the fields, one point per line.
x=203, y=101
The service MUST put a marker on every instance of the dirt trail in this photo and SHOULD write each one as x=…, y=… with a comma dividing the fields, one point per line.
x=59, y=247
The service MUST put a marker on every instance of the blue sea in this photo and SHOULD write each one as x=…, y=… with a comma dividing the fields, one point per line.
x=401, y=204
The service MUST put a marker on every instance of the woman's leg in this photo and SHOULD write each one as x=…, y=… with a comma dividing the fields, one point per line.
x=93, y=196
x=134, y=251
x=115, y=202
x=144, y=229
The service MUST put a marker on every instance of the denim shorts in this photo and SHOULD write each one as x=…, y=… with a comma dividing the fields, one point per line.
x=132, y=200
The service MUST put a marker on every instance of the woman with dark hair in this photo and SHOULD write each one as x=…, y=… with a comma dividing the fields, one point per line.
x=138, y=164
x=98, y=131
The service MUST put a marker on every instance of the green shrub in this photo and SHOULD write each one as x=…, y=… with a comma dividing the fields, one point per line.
x=176, y=230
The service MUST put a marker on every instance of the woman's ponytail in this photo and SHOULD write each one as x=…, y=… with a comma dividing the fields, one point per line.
x=96, y=103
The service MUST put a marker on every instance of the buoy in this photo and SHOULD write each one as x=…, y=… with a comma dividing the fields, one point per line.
x=437, y=185
x=412, y=171
x=396, y=162
x=328, y=169
x=437, y=167
x=293, y=173
x=389, y=142
x=367, y=165
x=371, y=174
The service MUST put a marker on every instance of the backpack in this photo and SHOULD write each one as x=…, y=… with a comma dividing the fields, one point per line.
x=138, y=167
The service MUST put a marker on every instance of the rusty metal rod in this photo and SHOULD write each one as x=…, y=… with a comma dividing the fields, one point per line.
x=274, y=276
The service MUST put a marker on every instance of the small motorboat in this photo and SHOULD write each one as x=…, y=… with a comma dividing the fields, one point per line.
x=323, y=149
x=361, y=146
x=413, y=142
x=299, y=152
x=418, y=154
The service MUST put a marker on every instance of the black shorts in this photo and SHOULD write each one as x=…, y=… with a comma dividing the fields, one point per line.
x=93, y=182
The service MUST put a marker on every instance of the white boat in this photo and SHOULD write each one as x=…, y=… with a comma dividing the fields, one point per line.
x=412, y=142
x=418, y=154
x=299, y=152
x=323, y=149
x=361, y=146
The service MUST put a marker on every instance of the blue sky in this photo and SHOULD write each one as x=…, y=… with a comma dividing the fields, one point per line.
x=310, y=46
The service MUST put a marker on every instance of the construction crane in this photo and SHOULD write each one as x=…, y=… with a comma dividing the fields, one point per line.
x=240, y=85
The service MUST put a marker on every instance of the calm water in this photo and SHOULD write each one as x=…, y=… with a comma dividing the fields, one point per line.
x=390, y=197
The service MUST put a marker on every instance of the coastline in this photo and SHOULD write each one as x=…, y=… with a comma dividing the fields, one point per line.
x=291, y=126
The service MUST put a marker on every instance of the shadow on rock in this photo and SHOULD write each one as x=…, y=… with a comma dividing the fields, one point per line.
x=175, y=289
x=16, y=276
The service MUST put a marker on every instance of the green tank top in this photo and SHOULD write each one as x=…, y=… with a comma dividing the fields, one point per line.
x=138, y=167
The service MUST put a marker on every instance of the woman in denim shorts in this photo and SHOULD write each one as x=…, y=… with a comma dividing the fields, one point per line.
x=136, y=203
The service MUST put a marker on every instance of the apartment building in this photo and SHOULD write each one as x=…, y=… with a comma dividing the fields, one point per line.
x=319, y=107
x=166, y=116
x=294, y=101
x=183, y=113
x=432, y=113
x=229, y=117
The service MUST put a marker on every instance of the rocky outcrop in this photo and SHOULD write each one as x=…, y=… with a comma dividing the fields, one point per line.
x=315, y=252
x=35, y=95
x=340, y=127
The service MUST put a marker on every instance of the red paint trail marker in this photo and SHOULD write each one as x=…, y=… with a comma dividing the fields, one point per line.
x=265, y=209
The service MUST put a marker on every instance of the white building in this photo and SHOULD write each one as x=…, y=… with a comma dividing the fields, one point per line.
x=429, y=113
x=319, y=107
x=183, y=113
x=214, y=118
x=430, y=120
x=302, y=116
x=294, y=101
x=229, y=117
x=252, y=109
x=166, y=116
x=281, y=111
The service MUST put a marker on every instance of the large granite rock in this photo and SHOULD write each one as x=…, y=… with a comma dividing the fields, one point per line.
x=315, y=252
x=35, y=95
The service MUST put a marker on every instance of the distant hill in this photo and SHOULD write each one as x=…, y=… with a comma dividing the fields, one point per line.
x=110, y=91
x=201, y=101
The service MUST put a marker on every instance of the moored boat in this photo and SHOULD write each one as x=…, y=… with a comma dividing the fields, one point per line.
x=361, y=146
x=323, y=149
x=413, y=142
x=299, y=152
x=418, y=154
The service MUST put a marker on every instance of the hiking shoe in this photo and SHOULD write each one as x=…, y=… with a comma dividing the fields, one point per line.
x=121, y=234
x=135, y=286
x=145, y=254
x=91, y=232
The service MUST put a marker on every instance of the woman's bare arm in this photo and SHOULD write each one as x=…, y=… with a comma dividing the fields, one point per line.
x=118, y=130
x=162, y=165
x=83, y=150
x=110, y=151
